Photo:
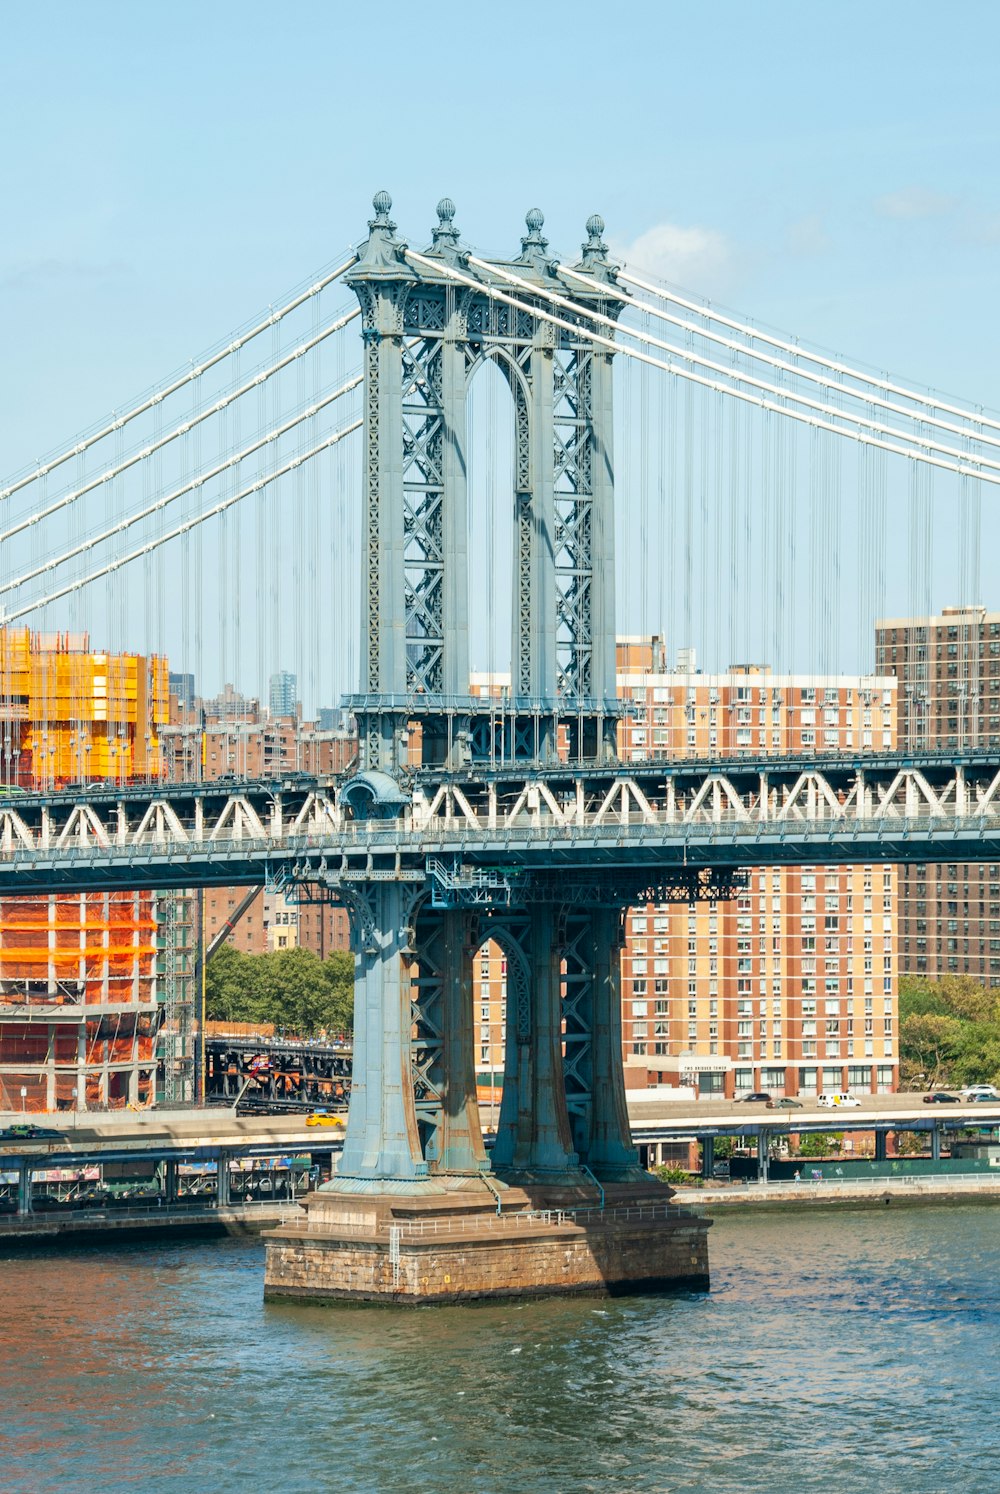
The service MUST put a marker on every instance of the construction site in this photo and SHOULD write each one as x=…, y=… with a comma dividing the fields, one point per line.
x=96, y=990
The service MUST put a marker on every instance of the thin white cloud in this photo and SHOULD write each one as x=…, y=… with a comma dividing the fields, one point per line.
x=808, y=236
x=700, y=259
x=911, y=203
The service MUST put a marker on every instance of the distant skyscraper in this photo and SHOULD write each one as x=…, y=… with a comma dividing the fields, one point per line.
x=182, y=685
x=283, y=691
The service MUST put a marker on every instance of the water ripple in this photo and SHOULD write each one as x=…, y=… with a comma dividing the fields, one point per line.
x=848, y=1351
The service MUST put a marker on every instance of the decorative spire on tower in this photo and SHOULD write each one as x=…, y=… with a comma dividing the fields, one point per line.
x=446, y=236
x=534, y=244
x=595, y=251
x=382, y=252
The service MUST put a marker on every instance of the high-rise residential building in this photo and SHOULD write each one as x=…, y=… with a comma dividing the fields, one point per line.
x=89, y=982
x=792, y=986
x=948, y=673
x=283, y=693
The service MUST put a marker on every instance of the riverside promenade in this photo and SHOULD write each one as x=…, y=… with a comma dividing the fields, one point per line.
x=834, y=1192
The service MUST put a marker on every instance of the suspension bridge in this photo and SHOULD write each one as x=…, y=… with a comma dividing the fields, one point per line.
x=368, y=520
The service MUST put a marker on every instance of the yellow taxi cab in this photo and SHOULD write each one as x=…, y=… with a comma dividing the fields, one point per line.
x=323, y=1118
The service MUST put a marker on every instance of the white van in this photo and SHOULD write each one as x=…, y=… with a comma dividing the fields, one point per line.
x=830, y=1101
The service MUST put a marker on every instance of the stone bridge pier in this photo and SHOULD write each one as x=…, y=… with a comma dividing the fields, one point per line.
x=559, y=1202
x=419, y=1209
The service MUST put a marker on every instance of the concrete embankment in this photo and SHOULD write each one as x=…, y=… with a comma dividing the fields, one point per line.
x=91, y=1224
x=855, y=1193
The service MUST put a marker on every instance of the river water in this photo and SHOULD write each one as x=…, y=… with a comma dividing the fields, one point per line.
x=839, y=1351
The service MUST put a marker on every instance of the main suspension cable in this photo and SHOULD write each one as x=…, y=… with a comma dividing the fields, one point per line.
x=843, y=369
x=194, y=372
x=187, y=526
x=761, y=403
x=799, y=372
x=196, y=482
x=181, y=430
x=699, y=360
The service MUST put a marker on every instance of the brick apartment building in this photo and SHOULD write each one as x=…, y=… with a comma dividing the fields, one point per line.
x=232, y=736
x=948, y=674
x=792, y=987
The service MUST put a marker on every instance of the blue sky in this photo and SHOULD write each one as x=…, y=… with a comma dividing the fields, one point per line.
x=171, y=169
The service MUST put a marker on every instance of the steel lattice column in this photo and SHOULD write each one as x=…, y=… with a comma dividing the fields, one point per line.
x=382, y=282
x=603, y=681
x=609, y=1151
x=443, y=1060
x=533, y=1135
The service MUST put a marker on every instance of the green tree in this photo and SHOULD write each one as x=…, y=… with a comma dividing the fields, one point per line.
x=292, y=988
x=928, y=1045
x=820, y=1144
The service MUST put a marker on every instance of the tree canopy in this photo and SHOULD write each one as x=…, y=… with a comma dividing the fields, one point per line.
x=293, y=988
x=949, y=1032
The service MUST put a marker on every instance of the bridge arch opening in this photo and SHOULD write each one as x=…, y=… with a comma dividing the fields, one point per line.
x=492, y=441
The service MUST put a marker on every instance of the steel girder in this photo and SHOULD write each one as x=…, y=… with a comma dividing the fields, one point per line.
x=634, y=824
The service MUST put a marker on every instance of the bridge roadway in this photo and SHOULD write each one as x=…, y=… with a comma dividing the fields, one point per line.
x=614, y=818
x=656, y=1119
x=218, y=1136
x=196, y=1135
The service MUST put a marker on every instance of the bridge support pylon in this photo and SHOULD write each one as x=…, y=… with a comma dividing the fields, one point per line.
x=416, y=1212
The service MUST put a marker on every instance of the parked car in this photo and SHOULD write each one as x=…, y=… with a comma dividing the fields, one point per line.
x=25, y=1132
x=759, y=1097
x=941, y=1097
x=838, y=1100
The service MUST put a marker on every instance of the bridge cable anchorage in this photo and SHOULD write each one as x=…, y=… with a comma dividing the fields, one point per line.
x=179, y=431
x=599, y=340
x=843, y=369
x=192, y=523
x=196, y=482
x=43, y=469
x=971, y=430
x=689, y=356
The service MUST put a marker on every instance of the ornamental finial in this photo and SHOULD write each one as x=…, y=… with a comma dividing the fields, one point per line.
x=446, y=241
x=595, y=250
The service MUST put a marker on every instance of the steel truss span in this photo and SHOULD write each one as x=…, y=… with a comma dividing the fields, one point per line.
x=636, y=823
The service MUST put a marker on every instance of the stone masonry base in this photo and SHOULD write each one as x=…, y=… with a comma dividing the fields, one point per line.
x=412, y=1252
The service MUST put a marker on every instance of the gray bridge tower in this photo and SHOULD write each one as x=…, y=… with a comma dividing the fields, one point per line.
x=414, y=1120
x=425, y=334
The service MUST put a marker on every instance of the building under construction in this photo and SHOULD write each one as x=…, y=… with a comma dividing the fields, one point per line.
x=96, y=989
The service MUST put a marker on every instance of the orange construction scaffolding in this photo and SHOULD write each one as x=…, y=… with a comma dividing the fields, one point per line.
x=79, y=999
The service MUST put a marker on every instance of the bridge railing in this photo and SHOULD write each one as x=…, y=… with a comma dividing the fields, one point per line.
x=539, y=1219
x=417, y=834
